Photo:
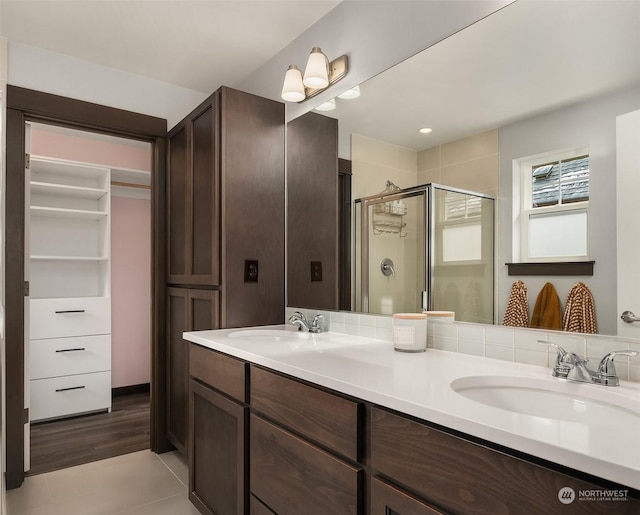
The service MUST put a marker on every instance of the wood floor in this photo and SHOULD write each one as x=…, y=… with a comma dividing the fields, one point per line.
x=69, y=442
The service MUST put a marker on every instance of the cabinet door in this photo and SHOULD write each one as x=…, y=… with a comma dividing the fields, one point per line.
x=388, y=500
x=193, y=199
x=217, y=456
x=205, y=206
x=187, y=310
x=177, y=363
x=178, y=212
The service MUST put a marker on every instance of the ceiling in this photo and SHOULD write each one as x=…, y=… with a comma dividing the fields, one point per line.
x=528, y=58
x=196, y=44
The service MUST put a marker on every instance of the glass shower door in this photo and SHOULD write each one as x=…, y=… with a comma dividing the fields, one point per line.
x=393, y=246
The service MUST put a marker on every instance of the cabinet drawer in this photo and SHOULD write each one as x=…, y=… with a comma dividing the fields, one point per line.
x=68, y=395
x=386, y=499
x=218, y=370
x=67, y=356
x=326, y=418
x=292, y=476
x=59, y=318
x=465, y=477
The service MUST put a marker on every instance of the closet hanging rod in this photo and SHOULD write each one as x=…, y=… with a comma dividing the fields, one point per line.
x=130, y=185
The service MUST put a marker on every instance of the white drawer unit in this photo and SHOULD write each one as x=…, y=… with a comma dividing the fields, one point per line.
x=68, y=356
x=59, y=318
x=68, y=395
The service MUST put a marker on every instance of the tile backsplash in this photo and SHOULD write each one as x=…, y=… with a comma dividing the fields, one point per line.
x=495, y=342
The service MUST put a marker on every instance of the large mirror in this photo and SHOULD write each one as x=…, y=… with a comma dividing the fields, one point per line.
x=531, y=79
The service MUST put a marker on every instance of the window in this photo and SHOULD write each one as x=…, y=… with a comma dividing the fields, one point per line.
x=554, y=206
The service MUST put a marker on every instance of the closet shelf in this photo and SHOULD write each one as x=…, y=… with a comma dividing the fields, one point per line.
x=58, y=212
x=63, y=190
x=68, y=258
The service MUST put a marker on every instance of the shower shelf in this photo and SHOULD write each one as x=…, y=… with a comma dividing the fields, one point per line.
x=388, y=226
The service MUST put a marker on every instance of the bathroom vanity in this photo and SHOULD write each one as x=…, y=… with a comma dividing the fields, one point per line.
x=291, y=422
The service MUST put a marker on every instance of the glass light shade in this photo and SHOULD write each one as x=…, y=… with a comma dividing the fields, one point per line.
x=293, y=89
x=350, y=93
x=329, y=105
x=316, y=74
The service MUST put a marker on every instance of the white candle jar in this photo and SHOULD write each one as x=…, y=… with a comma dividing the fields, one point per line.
x=410, y=332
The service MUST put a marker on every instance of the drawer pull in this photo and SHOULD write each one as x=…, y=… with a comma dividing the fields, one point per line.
x=70, y=388
x=70, y=311
x=71, y=350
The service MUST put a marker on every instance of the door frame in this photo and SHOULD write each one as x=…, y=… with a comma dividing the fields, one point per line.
x=24, y=105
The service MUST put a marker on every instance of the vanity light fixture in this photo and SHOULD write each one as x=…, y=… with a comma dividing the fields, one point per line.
x=350, y=93
x=425, y=130
x=318, y=76
x=329, y=105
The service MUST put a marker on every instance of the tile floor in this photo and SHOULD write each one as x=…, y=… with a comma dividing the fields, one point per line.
x=141, y=483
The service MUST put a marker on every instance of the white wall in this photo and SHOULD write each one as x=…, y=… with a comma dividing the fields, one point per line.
x=59, y=74
x=588, y=124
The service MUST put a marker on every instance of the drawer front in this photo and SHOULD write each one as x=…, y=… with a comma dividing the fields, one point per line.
x=68, y=356
x=68, y=395
x=327, y=419
x=291, y=476
x=218, y=370
x=464, y=477
x=386, y=499
x=59, y=318
x=257, y=508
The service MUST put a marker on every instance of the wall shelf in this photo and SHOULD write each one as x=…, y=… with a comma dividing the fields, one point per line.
x=569, y=268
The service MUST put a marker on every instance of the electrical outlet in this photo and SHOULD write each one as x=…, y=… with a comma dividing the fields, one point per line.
x=250, y=271
x=316, y=271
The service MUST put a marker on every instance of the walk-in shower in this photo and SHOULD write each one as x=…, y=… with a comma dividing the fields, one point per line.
x=425, y=247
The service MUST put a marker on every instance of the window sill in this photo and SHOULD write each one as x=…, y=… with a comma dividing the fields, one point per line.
x=549, y=268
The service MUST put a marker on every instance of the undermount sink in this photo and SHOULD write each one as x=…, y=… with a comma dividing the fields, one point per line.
x=552, y=399
x=269, y=335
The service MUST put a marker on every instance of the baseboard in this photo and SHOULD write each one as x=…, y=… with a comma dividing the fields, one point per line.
x=128, y=390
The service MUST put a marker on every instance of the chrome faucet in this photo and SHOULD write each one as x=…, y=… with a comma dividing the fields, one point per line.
x=298, y=319
x=572, y=367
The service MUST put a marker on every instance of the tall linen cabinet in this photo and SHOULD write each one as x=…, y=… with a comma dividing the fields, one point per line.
x=225, y=229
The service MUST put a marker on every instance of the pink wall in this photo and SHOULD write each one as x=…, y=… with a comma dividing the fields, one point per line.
x=130, y=291
x=74, y=147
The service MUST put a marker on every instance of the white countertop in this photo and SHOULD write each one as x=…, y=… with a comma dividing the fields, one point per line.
x=419, y=385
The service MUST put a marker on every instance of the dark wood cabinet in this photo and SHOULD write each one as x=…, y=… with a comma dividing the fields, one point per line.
x=225, y=229
x=225, y=204
x=292, y=476
x=217, y=471
x=218, y=429
x=312, y=450
x=312, y=203
x=460, y=476
x=389, y=500
x=193, y=202
x=305, y=444
x=187, y=310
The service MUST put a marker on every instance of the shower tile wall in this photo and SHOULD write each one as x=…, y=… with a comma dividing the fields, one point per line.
x=471, y=163
x=374, y=163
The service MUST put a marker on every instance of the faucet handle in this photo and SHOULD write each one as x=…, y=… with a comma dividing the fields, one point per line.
x=563, y=362
x=606, y=373
x=316, y=324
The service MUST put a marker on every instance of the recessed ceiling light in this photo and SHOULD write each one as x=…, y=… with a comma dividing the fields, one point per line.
x=424, y=130
x=350, y=93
